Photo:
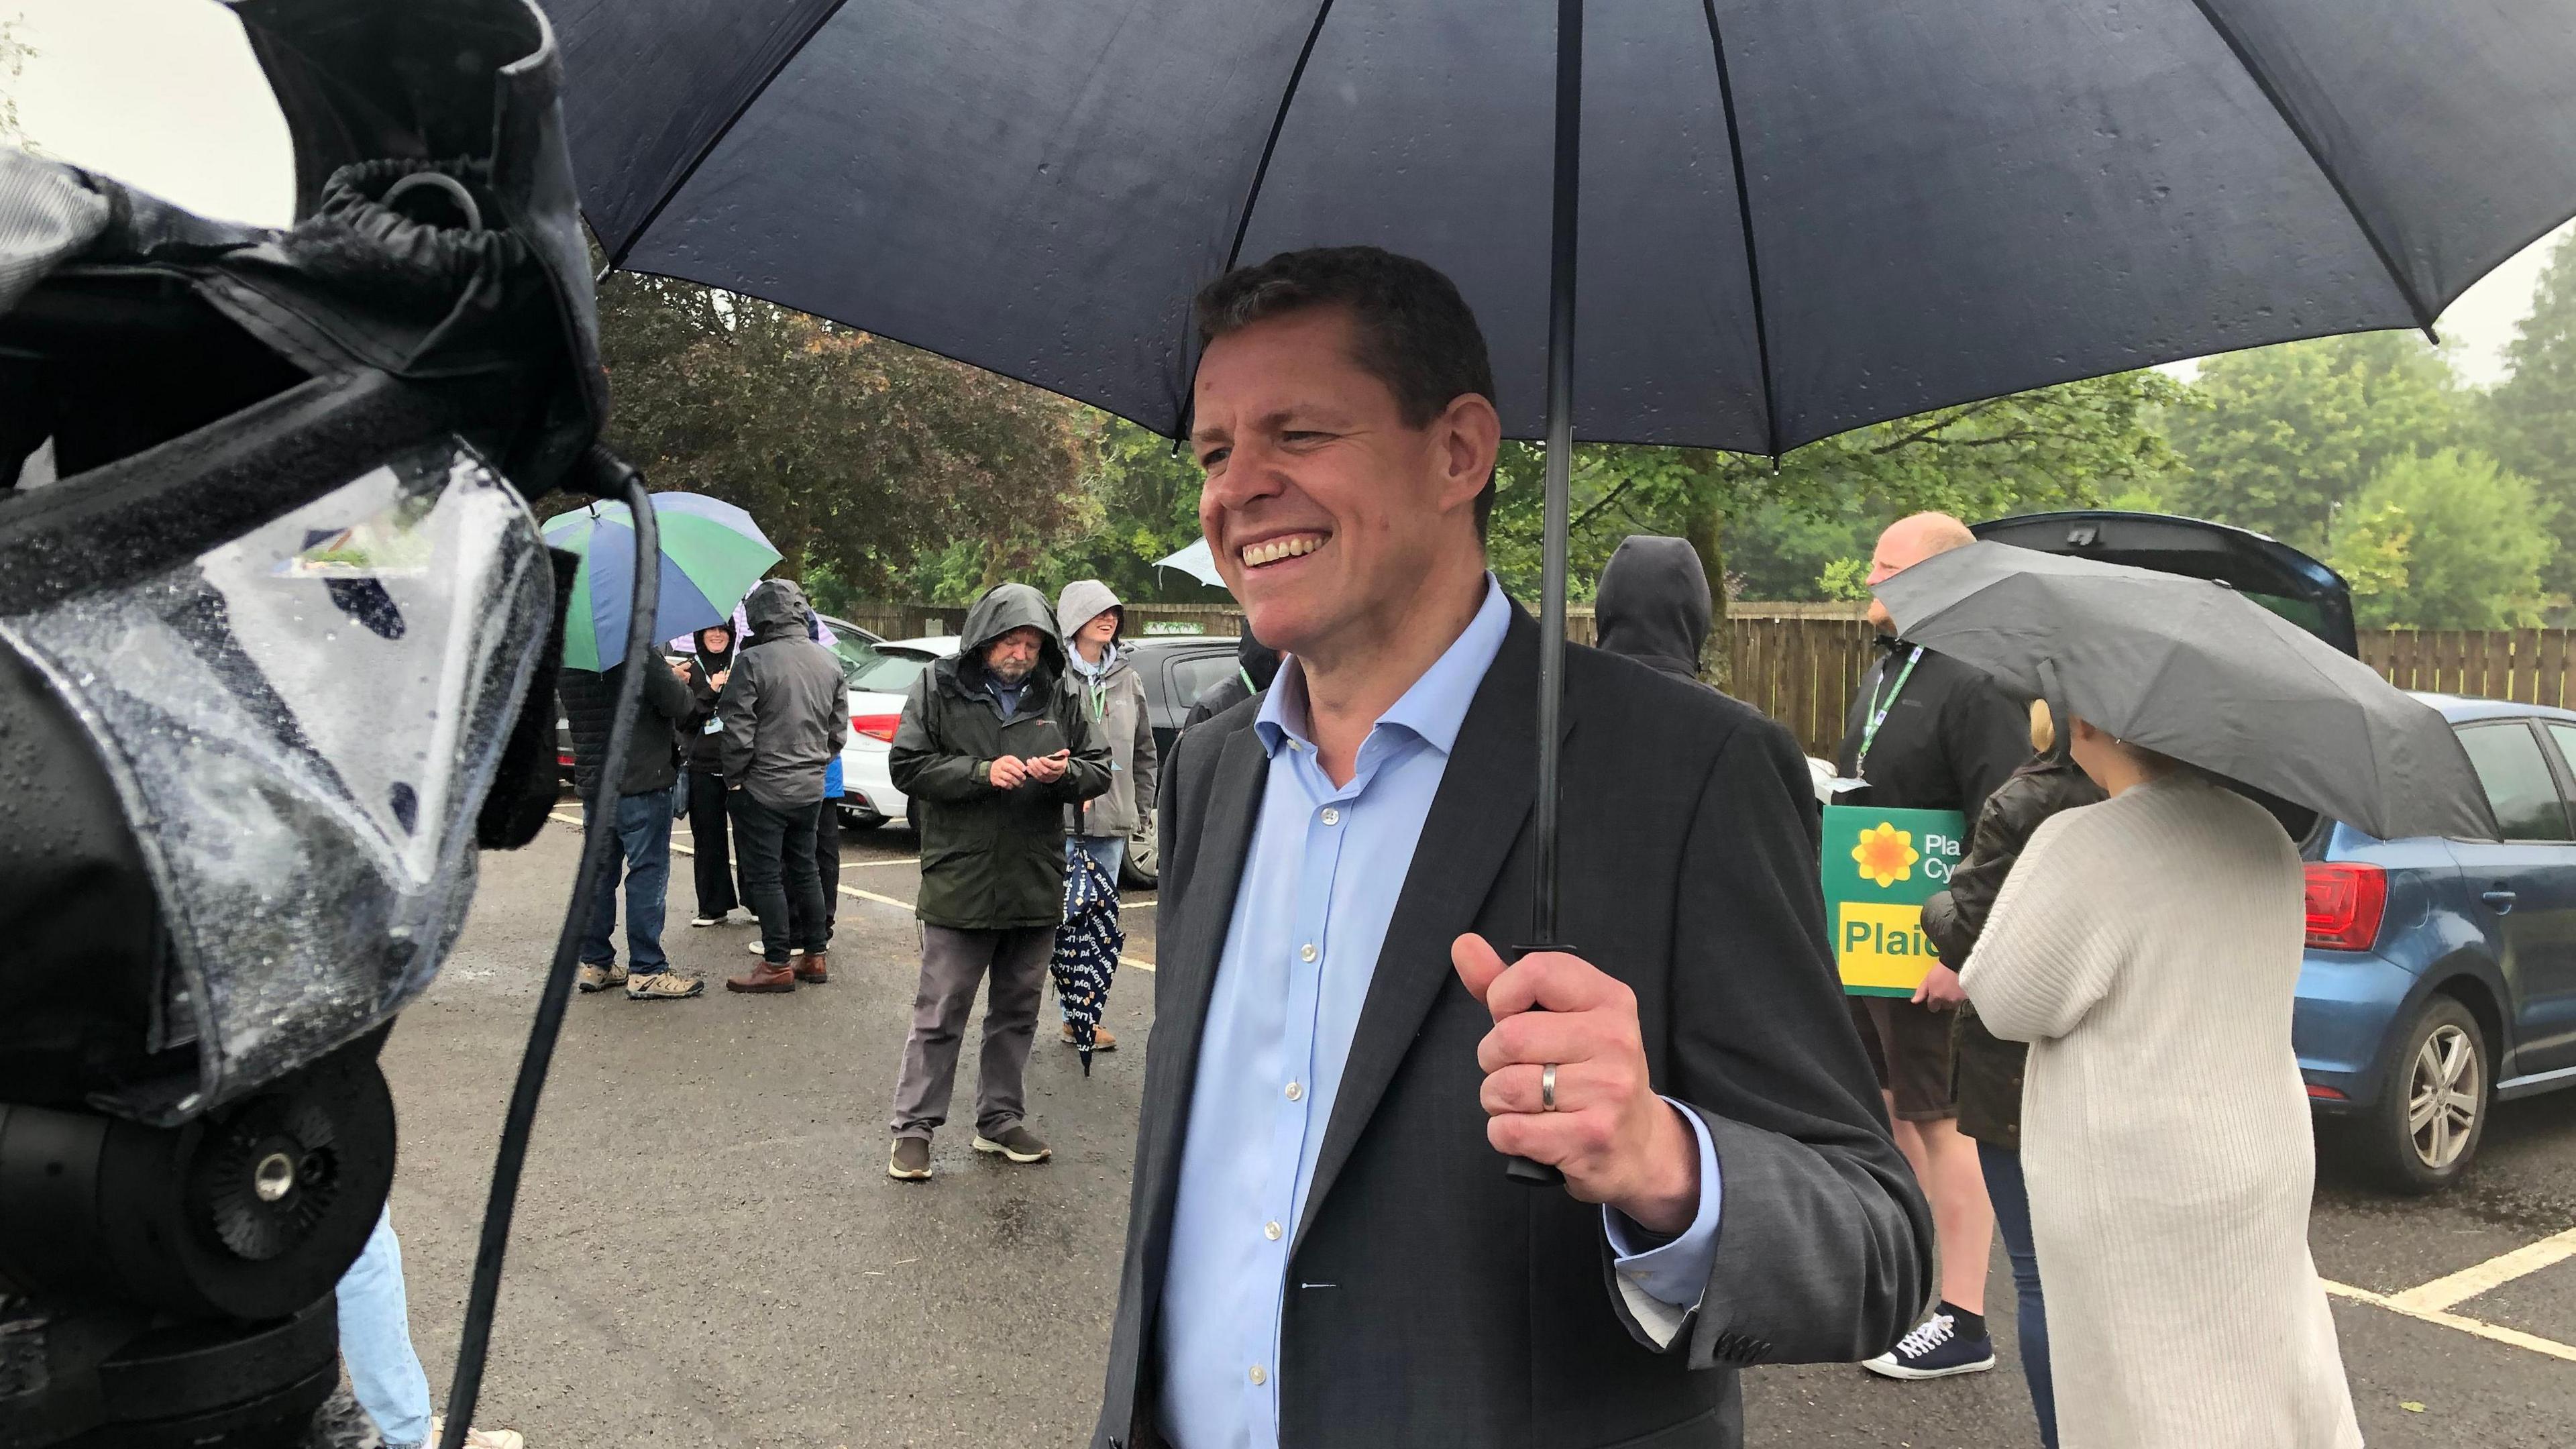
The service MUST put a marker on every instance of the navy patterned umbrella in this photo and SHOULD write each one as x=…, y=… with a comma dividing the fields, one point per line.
x=1086, y=949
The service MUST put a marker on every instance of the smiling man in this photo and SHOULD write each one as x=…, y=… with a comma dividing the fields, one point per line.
x=1322, y=1246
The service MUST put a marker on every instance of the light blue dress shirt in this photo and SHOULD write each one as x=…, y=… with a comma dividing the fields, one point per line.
x=1319, y=887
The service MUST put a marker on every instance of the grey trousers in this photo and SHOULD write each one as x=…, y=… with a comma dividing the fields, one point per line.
x=952, y=963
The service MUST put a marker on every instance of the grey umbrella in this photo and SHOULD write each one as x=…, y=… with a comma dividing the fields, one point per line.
x=2197, y=671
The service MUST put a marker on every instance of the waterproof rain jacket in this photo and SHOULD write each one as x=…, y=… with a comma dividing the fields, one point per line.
x=786, y=708
x=1113, y=703
x=1988, y=1082
x=590, y=702
x=993, y=859
x=1653, y=604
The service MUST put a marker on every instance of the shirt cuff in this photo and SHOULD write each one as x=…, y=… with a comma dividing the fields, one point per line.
x=1663, y=1285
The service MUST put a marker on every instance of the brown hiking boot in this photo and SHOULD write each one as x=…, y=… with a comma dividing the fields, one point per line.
x=764, y=977
x=1102, y=1038
x=810, y=969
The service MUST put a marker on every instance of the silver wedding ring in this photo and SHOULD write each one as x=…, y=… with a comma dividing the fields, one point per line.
x=1547, y=1088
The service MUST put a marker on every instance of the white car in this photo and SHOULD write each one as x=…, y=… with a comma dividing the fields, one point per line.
x=880, y=673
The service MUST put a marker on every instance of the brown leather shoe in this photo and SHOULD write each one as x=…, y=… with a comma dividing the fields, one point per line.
x=811, y=970
x=764, y=977
x=1102, y=1038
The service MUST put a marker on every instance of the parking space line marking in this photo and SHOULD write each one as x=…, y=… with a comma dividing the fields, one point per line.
x=575, y=822
x=2492, y=1332
x=863, y=864
x=2494, y=1273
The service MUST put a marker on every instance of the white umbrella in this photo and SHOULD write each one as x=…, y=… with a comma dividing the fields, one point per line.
x=1195, y=561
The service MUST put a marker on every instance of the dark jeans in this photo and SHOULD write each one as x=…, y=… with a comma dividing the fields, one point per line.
x=644, y=831
x=2011, y=1198
x=717, y=893
x=827, y=862
x=779, y=875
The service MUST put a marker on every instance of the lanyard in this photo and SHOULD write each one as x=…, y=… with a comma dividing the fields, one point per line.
x=1878, y=709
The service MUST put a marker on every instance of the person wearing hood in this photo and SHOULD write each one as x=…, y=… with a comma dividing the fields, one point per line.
x=706, y=671
x=1987, y=1068
x=1653, y=604
x=1255, y=665
x=1111, y=695
x=993, y=749
x=785, y=713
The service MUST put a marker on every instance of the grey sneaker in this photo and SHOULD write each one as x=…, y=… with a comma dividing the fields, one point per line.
x=600, y=978
x=1017, y=1143
x=663, y=986
x=910, y=1161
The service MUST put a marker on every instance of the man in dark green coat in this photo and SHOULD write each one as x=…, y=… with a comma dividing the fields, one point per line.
x=990, y=751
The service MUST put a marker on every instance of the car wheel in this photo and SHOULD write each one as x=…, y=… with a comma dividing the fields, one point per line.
x=859, y=822
x=2424, y=1133
x=1137, y=871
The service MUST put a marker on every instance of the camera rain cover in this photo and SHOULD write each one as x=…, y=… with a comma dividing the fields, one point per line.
x=301, y=724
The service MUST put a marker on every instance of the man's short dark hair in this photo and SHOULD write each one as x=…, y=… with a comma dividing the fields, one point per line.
x=1416, y=334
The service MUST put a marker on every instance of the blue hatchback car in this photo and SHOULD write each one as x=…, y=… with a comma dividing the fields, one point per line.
x=2440, y=975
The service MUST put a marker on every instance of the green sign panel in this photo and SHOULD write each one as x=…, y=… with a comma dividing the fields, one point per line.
x=1880, y=866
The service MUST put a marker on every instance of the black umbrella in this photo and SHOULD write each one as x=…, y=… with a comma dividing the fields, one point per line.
x=1806, y=217
x=2195, y=670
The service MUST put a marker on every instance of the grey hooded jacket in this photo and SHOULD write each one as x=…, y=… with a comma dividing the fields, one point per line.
x=1653, y=604
x=786, y=710
x=1113, y=703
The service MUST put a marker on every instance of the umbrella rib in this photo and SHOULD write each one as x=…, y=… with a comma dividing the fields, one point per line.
x=1744, y=213
x=715, y=138
x=2415, y=303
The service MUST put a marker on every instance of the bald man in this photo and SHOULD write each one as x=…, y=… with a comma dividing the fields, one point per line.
x=1930, y=733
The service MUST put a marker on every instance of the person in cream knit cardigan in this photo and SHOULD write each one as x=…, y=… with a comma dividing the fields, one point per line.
x=2148, y=949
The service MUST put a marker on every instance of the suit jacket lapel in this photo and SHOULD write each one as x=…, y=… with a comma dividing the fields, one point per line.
x=1484, y=798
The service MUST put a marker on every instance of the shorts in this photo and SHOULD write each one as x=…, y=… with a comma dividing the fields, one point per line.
x=1909, y=1048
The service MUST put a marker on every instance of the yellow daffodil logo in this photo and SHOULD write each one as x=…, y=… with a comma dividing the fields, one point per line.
x=1885, y=854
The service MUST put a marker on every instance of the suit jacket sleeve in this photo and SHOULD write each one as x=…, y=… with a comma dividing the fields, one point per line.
x=1824, y=1249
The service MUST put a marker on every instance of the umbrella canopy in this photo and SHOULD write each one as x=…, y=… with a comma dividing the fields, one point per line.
x=815, y=629
x=1086, y=949
x=2195, y=670
x=1196, y=561
x=1795, y=218
x=711, y=555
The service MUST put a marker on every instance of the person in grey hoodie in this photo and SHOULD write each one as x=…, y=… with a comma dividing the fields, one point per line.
x=1653, y=604
x=786, y=714
x=1109, y=692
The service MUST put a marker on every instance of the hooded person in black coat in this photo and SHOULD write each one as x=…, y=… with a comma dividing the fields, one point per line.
x=708, y=668
x=1653, y=604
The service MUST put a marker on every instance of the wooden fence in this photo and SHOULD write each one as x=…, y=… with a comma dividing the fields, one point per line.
x=1801, y=664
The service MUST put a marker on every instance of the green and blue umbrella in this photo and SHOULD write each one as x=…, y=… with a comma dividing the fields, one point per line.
x=712, y=553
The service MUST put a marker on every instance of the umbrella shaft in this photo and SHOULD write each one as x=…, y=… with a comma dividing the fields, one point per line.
x=1560, y=451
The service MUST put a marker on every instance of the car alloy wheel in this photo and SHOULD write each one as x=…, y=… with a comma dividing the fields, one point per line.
x=2444, y=1092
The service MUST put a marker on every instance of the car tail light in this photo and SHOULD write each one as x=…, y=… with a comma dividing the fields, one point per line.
x=876, y=726
x=563, y=760
x=2325, y=1094
x=2344, y=905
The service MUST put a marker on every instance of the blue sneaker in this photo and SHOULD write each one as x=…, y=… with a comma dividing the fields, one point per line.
x=1935, y=1350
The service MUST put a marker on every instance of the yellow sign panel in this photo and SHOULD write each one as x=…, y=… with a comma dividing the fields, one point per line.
x=1882, y=947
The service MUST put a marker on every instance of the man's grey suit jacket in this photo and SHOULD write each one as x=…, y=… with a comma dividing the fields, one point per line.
x=1433, y=1302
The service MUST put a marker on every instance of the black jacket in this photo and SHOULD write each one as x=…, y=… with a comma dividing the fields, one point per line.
x=702, y=749
x=1431, y=1303
x=1255, y=665
x=651, y=758
x=1988, y=1067
x=993, y=859
x=1952, y=734
x=1653, y=604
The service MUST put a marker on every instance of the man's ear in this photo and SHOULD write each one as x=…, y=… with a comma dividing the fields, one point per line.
x=1471, y=436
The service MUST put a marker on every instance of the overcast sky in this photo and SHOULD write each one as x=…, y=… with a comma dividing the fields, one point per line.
x=164, y=94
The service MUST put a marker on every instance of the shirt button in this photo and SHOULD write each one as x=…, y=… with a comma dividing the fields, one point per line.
x=1331, y=816
x=1259, y=1377
x=1270, y=1231
x=1306, y=952
x=1296, y=1090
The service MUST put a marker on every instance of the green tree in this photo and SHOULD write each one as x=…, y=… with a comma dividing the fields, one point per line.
x=2444, y=541
x=2056, y=446
x=859, y=457
x=2285, y=435
x=2533, y=412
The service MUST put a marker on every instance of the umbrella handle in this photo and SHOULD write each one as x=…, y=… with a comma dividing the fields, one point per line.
x=1523, y=1170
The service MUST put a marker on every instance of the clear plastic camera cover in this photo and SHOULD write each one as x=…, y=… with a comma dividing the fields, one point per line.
x=302, y=724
